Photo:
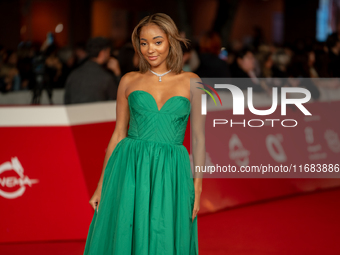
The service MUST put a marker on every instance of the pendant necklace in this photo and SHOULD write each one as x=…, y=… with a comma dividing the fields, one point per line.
x=160, y=75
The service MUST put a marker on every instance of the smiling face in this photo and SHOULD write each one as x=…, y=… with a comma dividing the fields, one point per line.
x=154, y=45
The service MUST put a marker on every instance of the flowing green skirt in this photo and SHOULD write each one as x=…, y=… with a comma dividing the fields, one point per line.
x=146, y=202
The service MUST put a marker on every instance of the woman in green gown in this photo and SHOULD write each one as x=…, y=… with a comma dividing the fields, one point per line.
x=147, y=198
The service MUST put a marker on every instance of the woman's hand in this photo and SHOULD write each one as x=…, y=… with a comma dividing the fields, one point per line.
x=196, y=204
x=95, y=200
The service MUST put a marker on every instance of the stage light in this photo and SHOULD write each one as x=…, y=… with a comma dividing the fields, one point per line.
x=59, y=28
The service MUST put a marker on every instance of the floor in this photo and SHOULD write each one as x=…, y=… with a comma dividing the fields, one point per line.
x=303, y=224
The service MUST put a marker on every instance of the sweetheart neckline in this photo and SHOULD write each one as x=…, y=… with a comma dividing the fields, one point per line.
x=159, y=110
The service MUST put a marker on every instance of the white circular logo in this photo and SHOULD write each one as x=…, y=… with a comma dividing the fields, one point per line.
x=18, y=183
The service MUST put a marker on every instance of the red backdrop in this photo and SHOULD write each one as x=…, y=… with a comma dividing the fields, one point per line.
x=60, y=166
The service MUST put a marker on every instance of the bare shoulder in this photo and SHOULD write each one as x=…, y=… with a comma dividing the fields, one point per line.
x=186, y=76
x=128, y=79
x=189, y=75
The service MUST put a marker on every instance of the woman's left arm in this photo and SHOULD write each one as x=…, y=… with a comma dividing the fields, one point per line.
x=197, y=123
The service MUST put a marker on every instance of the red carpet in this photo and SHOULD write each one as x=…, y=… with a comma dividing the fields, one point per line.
x=303, y=224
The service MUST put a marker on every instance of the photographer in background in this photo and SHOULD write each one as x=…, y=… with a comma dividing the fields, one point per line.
x=91, y=82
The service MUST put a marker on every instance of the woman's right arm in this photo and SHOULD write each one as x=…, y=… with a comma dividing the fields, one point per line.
x=120, y=132
x=122, y=120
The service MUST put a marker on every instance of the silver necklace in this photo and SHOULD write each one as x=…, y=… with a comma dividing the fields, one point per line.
x=160, y=75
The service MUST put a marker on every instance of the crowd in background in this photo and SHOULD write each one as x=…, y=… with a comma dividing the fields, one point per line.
x=36, y=67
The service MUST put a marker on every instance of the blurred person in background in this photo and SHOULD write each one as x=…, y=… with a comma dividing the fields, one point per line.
x=244, y=67
x=333, y=44
x=244, y=64
x=190, y=56
x=321, y=60
x=114, y=68
x=46, y=68
x=67, y=58
x=2, y=53
x=281, y=59
x=266, y=64
x=210, y=63
x=25, y=59
x=54, y=66
x=300, y=67
x=313, y=73
x=128, y=59
x=80, y=54
x=190, y=59
x=9, y=73
x=91, y=82
x=2, y=82
x=233, y=47
x=186, y=57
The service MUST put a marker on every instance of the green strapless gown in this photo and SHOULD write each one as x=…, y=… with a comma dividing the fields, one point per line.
x=148, y=192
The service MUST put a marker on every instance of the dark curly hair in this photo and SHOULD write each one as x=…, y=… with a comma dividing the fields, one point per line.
x=95, y=45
